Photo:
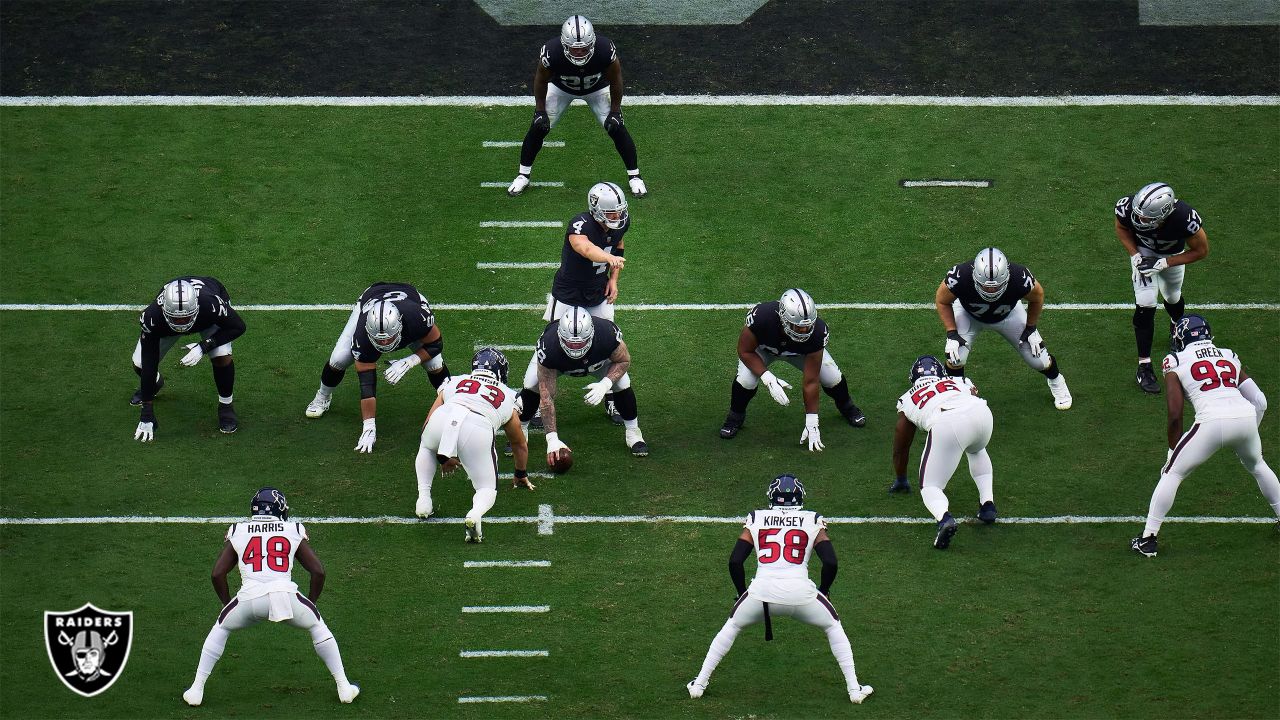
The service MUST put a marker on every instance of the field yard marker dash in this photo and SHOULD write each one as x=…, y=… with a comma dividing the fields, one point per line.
x=518, y=143
x=506, y=563
x=637, y=307
x=534, y=183
x=945, y=183
x=516, y=265
x=504, y=699
x=521, y=224
x=503, y=653
x=507, y=348
x=546, y=520
x=506, y=608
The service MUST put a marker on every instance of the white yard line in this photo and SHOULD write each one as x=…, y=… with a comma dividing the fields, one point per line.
x=516, y=265
x=639, y=307
x=522, y=224
x=506, y=348
x=534, y=183
x=518, y=143
x=946, y=183
x=503, y=653
x=506, y=609
x=632, y=101
x=506, y=563
x=504, y=699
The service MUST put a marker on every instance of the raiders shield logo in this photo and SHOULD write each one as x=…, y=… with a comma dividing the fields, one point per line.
x=88, y=647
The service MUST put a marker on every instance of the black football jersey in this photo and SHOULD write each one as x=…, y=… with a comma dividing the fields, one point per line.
x=550, y=355
x=1168, y=239
x=578, y=79
x=766, y=325
x=215, y=309
x=414, y=310
x=959, y=281
x=579, y=281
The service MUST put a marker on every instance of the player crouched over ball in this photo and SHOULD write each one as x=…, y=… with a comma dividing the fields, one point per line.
x=459, y=431
x=265, y=548
x=784, y=536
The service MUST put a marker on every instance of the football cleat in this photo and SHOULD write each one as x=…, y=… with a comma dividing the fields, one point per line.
x=506, y=450
x=854, y=415
x=193, y=696
x=637, y=186
x=1146, y=378
x=900, y=486
x=946, y=530
x=136, y=400
x=1061, y=394
x=860, y=693
x=732, y=424
x=695, y=688
x=536, y=422
x=472, y=526
x=1144, y=545
x=518, y=185
x=422, y=508
x=987, y=512
x=636, y=442
x=347, y=693
x=319, y=405
x=611, y=412
x=227, y=420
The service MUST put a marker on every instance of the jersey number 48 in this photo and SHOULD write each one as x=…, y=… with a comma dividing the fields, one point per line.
x=276, y=556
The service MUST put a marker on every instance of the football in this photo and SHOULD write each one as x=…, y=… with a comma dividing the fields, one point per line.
x=562, y=462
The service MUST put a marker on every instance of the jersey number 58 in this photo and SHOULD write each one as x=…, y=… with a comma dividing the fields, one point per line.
x=791, y=549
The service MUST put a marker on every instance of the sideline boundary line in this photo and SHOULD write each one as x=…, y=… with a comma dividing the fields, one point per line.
x=637, y=307
x=632, y=100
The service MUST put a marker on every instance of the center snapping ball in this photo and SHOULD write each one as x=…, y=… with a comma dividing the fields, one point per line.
x=561, y=461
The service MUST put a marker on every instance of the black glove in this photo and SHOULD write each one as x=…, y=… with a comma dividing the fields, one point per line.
x=612, y=121
x=541, y=120
x=1026, y=332
x=148, y=413
x=955, y=335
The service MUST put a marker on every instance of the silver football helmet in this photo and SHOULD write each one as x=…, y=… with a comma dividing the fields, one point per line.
x=798, y=314
x=1151, y=205
x=180, y=301
x=576, y=331
x=990, y=273
x=578, y=38
x=383, y=323
x=607, y=205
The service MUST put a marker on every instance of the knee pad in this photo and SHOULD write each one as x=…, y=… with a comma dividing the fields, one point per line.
x=528, y=404
x=623, y=383
x=625, y=400
x=435, y=363
x=538, y=131
x=341, y=358
x=746, y=378
x=1144, y=316
x=435, y=347
x=330, y=376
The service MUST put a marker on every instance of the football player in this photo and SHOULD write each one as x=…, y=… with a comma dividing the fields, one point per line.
x=185, y=306
x=1161, y=234
x=1229, y=408
x=395, y=316
x=784, y=537
x=984, y=295
x=789, y=330
x=590, y=261
x=460, y=427
x=958, y=423
x=580, y=344
x=578, y=64
x=265, y=548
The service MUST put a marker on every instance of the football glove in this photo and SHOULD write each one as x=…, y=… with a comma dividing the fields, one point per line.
x=194, y=353
x=1035, y=343
x=777, y=388
x=1152, y=266
x=612, y=121
x=398, y=369
x=811, y=433
x=368, y=436
x=1135, y=260
x=952, y=349
x=541, y=120
x=597, y=390
x=146, y=430
x=554, y=445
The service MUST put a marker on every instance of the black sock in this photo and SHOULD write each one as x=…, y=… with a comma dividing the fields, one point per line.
x=626, y=402
x=330, y=376
x=740, y=396
x=626, y=147
x=532, y=144
x=955, y=372
x=437, y=377
x=839, y=393
x=1144, y=329
x=1051, y=372
x=224, y=377
x=529, y=404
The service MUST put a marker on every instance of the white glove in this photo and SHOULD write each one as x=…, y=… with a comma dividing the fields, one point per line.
x=1157, y=267
x=811, y=432
x=597, y=390
x=1134, y=260
x=777, y=388
x=401, y=367
x=952, y=348
x=194, y=353
x=368, y=436
x=146, y=432
x=1035, y=343
x=553, y=443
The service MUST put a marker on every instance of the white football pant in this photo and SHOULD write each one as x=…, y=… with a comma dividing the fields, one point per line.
x=963, y=432
x=599, y=371
x=341, y=358
x=555, y=309
x=455, y=431
x=1010, y=328
x=558, y=100
x=1168, y=282
x=829, y=375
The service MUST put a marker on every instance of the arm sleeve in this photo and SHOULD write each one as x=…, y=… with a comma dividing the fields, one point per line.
x=740, y=552
x=229, y=328
x=1251, y=392
x=827, y=554
x=150, y=364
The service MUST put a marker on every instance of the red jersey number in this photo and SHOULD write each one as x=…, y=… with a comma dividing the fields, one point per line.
x=276, y=556
x=1224, y=375
x=490, y=393
x=924, y=394
x=791, y=549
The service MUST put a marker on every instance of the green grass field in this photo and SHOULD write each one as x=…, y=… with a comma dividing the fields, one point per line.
x=310, y=205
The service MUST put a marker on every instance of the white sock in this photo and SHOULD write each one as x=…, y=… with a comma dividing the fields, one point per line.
x=327, y=649
x=843, y=651
x=225, y=400
x=481, y=502
x=526, y=169
x=425, y=467
x=1161, y=501
x=324, y=391
x=1268, y=484
x=632, y=424
x=935, y=501
x=720, y=646
x=214, y=644
x=633, y=173
x=980, y=469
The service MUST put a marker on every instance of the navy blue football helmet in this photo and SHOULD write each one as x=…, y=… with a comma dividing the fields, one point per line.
x=1191, y=328
x=785, y=491
x=491, y=360
x=927, y=365
x=269, y=501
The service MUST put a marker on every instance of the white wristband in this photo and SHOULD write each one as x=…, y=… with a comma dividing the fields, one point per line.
x=370, y=422
x=553, y=438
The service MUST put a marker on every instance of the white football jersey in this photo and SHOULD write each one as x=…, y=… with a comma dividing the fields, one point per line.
x=929, y=397
x=265, y=547
x=493, y=401
x=784, y=539
x=1209, y=376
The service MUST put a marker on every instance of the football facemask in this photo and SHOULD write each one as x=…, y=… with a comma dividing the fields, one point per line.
x=384, y=324
x=608, y=205
x=1151, y=206
x=990, y=273
x=576, y=331
x=578, y=38
x=798, y=314
x=180, y=302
